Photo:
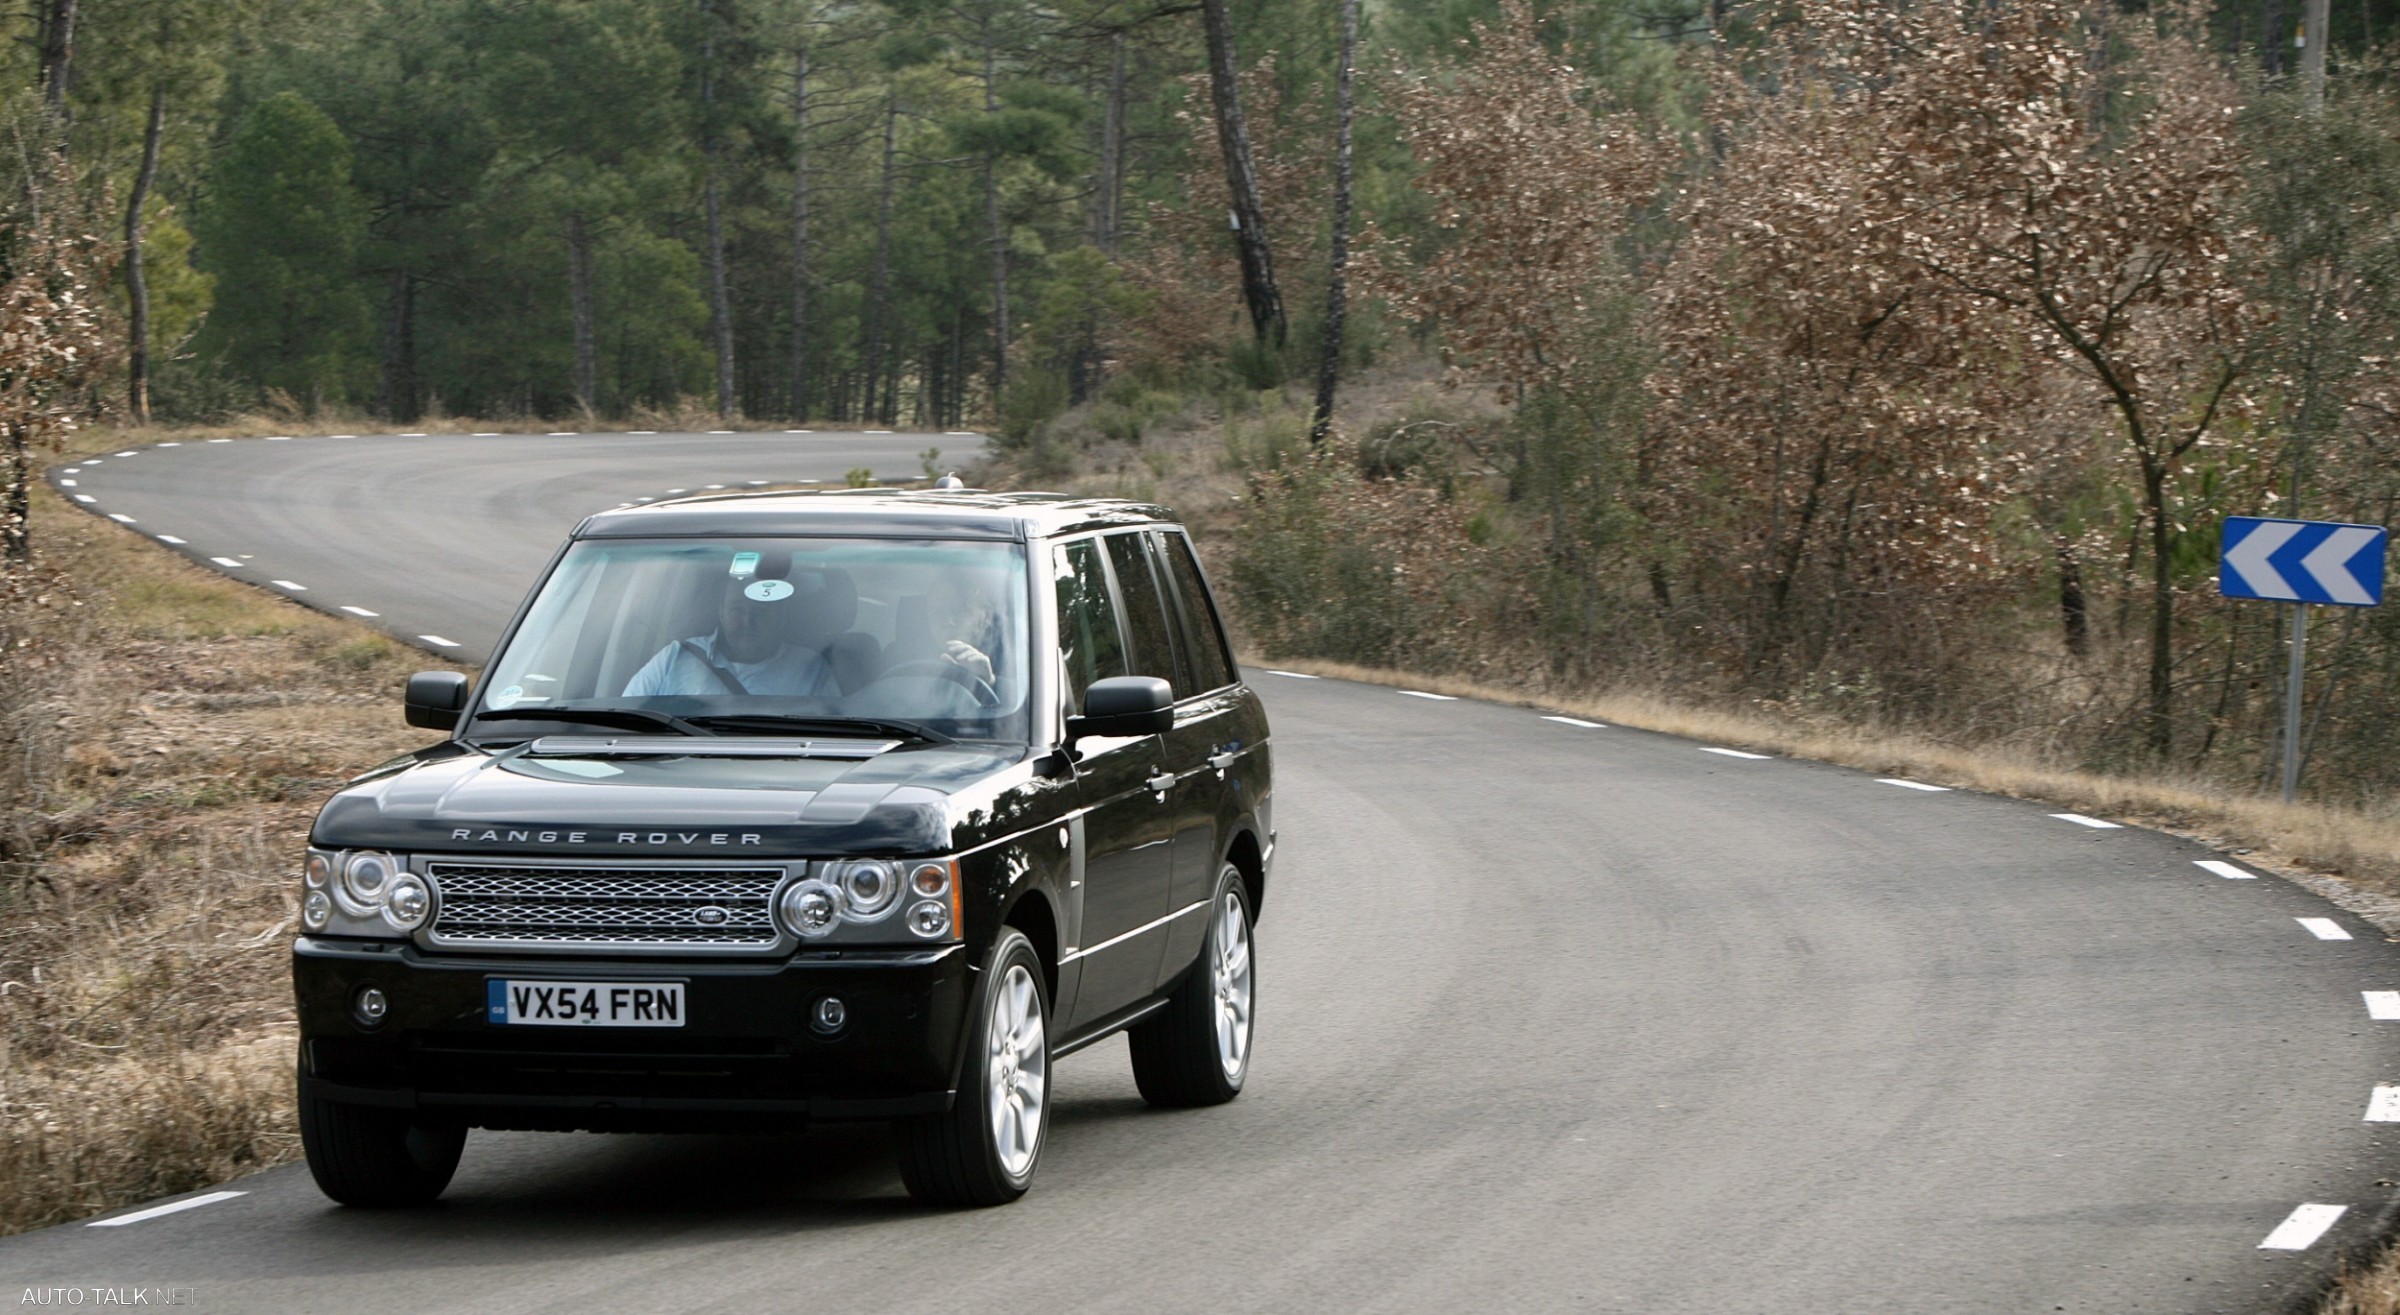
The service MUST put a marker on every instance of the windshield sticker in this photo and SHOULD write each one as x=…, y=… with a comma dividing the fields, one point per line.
x=507, y=698
x=745, y=563
x=768, y=591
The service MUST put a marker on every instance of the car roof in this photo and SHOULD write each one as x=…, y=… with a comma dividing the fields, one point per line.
x=872, y=513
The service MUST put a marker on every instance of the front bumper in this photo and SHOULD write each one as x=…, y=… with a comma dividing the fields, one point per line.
x=745, y=1057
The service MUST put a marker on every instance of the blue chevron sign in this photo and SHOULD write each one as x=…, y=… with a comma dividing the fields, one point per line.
x=2301, y=561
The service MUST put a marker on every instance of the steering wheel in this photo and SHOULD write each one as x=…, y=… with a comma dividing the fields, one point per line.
x=986, y=696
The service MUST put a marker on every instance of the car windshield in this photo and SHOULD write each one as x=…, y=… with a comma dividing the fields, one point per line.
x=773, y=636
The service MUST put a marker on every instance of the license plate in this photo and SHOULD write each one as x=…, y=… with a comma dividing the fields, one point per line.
x=585, y=1004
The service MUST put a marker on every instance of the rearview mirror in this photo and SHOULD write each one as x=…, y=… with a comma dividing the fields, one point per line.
x=1124, y=705
x=435, y=698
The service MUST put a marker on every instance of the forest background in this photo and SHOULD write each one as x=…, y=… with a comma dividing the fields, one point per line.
x=1887, y=364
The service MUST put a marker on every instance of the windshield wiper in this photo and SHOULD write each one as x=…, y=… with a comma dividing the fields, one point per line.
x=640, y=719
x=774, y=722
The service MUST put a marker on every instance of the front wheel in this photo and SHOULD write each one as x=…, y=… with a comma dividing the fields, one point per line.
x=983, y=1150
x=1196, y=1051
x=364, y=1156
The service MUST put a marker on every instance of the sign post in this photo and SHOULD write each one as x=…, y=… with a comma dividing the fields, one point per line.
x=2300, y=562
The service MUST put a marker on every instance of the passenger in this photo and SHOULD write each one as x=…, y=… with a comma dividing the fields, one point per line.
x=748, y=653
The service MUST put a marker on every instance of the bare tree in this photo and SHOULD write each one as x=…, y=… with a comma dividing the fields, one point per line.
x=1246, y=214
x=1337, y=308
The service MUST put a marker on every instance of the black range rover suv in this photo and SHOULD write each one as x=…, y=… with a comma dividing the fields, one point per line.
x=788, y=807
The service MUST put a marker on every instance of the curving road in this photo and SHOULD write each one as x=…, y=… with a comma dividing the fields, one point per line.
x=1556, y=1016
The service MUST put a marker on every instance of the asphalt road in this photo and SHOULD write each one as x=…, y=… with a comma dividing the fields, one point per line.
x=1554, y=1017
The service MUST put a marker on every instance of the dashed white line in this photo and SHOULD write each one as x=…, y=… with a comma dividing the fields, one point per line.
x=2325, y=929
x=169, y=538
x=291, y=585
x=98, y=461
x=756, y=483
x=130, y=452
x=412, y=436
x=172, y=1207
x=1420, y=694
x=122, y=519
x=2383, y=1006
x=488, y=433
x=66, y=483
x=1906, y=784
x=799, y=431
x=1732, y=753
x=73, y=470
x=643, y=432
x=286, y=438
x=278, y=440
x=86, y=498
x=1575, y=721
x=2302, y=1227
x=2092, y=822
x=170, y=445
x=875, y=431
x=1290, y=675
x=2384, y=1105
x=673, y=492
x=718, y=432
x=2225, y=870
x=960, y=433
x=226, y=562
x=220, y=440
x=713, y=486
x=439, y=642
x=562, y=433
x=359, y=611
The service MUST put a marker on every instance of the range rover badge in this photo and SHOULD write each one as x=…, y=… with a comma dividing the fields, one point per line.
x=710, y=916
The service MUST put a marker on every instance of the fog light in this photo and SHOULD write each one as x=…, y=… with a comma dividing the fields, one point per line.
x=369, y=1006
x=929, y=919
x=829, y=1016
x=316, y=909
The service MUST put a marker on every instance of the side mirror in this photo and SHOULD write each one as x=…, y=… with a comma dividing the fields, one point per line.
x=435, y=698
x=1124, y=705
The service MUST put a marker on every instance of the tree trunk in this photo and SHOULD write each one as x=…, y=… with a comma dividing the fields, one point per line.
x=399, y=392
x=16, y=526
x=999, y=233
x=800, y=236
x=1108, y=197
x=2073, y=612
x=879, y=280
x=1247, y=214
x=720, y=306
x=58, y=52
x=1337, y=307
x=579, y=292
x=2276, y=35
x=2158, y=728
x=137, y=283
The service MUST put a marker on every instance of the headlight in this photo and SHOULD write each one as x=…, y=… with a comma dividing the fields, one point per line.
x=364, y=877
x=870, y=900
x=362, y=893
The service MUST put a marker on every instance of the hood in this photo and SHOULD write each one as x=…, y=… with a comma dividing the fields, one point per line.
x=904, y=801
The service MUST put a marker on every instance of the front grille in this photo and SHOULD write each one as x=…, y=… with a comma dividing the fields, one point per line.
x=531, y=906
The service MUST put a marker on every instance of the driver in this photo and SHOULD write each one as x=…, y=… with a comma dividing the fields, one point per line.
x=959, y=608
x=747, y=654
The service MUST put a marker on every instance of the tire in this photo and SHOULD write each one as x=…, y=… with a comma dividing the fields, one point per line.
x=1196, y=1051
x=377, y=1158
x=983, y=1151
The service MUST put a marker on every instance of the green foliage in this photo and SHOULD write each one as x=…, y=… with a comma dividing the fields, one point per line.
x=280, y=234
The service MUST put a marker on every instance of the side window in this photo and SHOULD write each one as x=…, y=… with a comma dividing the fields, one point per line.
x=1203, y=638
x=1145, y=611
x=1090, y=645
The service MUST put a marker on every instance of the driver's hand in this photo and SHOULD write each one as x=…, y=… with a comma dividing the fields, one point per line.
x=969, y=657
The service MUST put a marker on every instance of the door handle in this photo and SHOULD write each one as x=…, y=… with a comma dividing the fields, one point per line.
x=1162, y=782
x=1221, y=761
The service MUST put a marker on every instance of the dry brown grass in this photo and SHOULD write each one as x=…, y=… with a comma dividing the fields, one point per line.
x=145, y=999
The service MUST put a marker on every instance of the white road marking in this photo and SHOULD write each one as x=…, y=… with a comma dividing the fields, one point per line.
x=2383, y=1006
x=644, y=432
x=2384, y=1105
x=756, y=483
x=1420, y=694
x=960, y=433
x=1290, y=675
x=2302, y=1227
x=286, y=438
x=97, y=461
x=1575, y=721
x=645, y=499
x=2225, y=870
x=562, y=433
x=359, y=611
x=66, y=483
x=122, y=519
x=488, y=433
x=2092, y=822
x=130, y=452
x=169, y=538
x=720, y=431
x=438, y=641
x=291, y=585
x=799, y=431
x=73, y=470
x=1732, y=753
x=227, y=562
x=2325, y=929
x=673, y=492
x=85, y=498
x=1906, y=784
x=170, y=445
x=220, y=440
x=278, y=440
x=173, y=1207
x=712, y=486
x=412, y=436
x=875, y=431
